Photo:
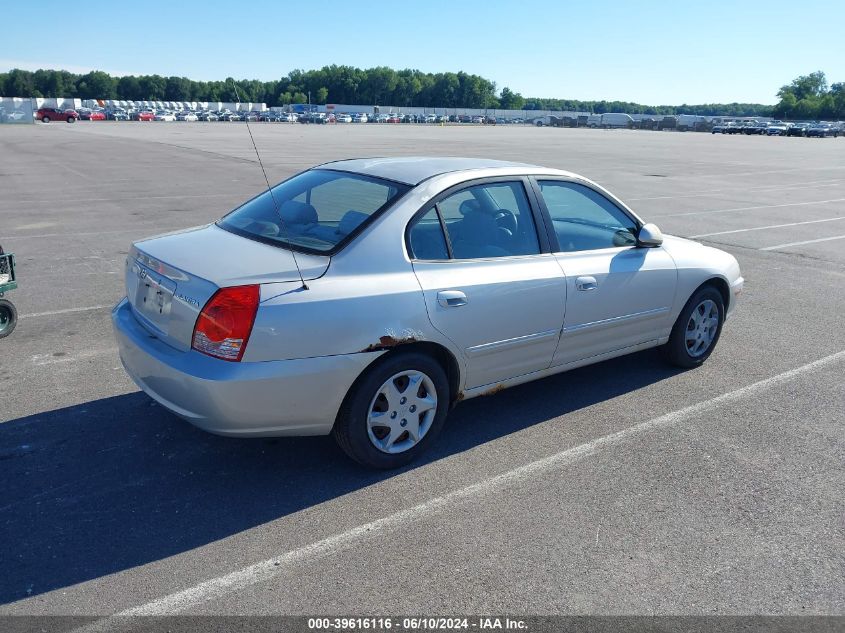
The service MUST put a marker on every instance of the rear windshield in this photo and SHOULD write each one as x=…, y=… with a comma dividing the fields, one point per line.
x=316, y=210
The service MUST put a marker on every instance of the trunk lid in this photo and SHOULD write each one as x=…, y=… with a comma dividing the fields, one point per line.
x=169, y=278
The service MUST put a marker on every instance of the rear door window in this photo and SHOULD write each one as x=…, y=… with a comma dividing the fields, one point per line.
x=490, y=220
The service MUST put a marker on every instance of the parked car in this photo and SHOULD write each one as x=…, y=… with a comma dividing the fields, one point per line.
x=187, y=116
x=117, y=114
x=343, y=118
x=759, y=129
x=45, y=115
x=822, y=130
x=736, y=128
x=430, y=118
x=163, y=115
x=207, y=116
x=777, y=128
x=313, y=117
x=143, y=115
x=360, y=117
x=798, y=129
x=270, y=116
x=97, y=115
x=447, y=281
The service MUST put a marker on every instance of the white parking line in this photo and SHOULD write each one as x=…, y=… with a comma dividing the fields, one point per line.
x=763, y=206
x=821, y=239
x=279, y=564
x=710, y=192
x=116, y=199
x=763, y=228
x=39, y=360
x=40, y=235
x=65, y=311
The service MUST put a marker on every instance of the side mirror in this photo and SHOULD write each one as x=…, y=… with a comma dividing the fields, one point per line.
x=649, y=236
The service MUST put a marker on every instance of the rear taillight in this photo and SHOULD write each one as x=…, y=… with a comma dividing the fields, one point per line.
x=223, y=327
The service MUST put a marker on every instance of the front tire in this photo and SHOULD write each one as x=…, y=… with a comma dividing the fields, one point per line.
x=394, y=412
x=697, y=330
x=45, y=119
x=8, y=317
x=70, y=119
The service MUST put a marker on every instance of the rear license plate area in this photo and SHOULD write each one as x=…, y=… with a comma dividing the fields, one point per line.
x=154, y=297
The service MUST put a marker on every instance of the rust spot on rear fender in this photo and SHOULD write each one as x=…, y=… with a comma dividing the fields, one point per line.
x=388, y=342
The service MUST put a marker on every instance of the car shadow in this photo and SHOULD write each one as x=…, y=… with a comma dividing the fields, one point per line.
x=112, y=484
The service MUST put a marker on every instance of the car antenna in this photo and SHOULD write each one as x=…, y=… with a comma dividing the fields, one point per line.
x=270, y=189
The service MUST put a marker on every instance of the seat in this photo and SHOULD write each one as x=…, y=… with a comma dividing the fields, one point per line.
x=478, y=229
x=298, y=217
x=350, y=221
x=479, y=236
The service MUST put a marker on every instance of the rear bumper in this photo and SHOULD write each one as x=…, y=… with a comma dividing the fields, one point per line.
x=288, y=397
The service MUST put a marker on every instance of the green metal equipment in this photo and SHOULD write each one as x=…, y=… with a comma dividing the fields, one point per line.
x=8, y=281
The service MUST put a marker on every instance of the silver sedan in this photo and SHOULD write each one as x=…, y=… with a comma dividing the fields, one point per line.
x=364, y=298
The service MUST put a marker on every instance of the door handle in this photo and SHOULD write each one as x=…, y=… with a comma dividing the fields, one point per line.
x=586, y=283
x=451, y=298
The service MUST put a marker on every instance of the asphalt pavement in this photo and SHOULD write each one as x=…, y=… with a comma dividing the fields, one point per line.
x=628, y=487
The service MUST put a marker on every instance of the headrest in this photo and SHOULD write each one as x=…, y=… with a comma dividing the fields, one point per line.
x=479, y=228
x=350, y=221
x=294, y=212
x=468, y=206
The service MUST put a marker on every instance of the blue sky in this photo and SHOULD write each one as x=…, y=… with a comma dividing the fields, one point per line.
x=649, y=52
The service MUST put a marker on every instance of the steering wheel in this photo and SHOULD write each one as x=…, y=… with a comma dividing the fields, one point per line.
x=505, y=220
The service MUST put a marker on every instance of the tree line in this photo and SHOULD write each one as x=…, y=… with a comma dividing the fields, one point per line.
x=807, y=97
x=330, y=84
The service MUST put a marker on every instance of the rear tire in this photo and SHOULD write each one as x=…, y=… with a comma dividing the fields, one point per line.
x=374, y=425
x=697, y=330
x=8, y=317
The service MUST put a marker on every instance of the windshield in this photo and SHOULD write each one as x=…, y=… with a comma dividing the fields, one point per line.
x=316, y=210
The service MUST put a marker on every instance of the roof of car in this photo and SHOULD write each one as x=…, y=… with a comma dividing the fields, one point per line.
x=412, y=170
